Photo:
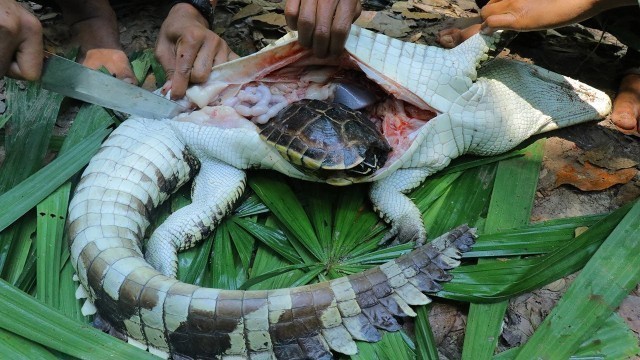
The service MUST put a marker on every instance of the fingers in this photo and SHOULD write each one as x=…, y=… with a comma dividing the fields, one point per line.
x=204, y=60
x=116, y=61
x=222, y=56
x=7, y=48
x=20, y=43
x=449, y=38
x=358, y=11
x=291, y=11
x=323, y=25
x=28, y=63
x=346, y=12
x=500, y=21
x=187, y=49
x=307, y=22
x=323, y=32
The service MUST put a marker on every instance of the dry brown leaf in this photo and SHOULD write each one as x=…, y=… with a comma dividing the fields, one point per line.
x=269, y=20
x=381, y=22
x=247, y=11
x=149, y=82
x=591, y=178
x=442, y=7
x=409, y=12
x=47, y=16
x=580, y=230
x=604, y=157
x=267, y=5
x=415, y=37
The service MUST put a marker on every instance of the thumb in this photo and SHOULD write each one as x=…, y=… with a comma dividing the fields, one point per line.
x=500, y=22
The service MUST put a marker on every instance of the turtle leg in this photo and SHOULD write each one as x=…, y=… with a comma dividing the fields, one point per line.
x=389, y=200
x=216, y=188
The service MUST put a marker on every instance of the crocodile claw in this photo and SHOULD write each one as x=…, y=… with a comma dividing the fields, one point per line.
x=405, y=229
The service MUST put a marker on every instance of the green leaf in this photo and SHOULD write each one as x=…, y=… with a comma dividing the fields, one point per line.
x=69, y=305
x=379, y=256
x=432, y=189
x=27, y=279
x=281, y=270
x=141, y=65
x=33, y=114
x=510, y=206
x=13, y=346
x=21, y=242
x=4, y=118
x=612, y=272
x=470, y=161
x=251, y=206
x=613, y=340
x=463, y=203
x=394, y=345
x=495, y=281
x=51, y=218
x=192, y=263
x=351, y=223
x=282, y=202
x=225, y=272
x=30, y=192
x=242, y=242
x=272, y=238
x=25, y=316
x=426, y=346
x=321, y=214
x=539, y=238
x=266, y=261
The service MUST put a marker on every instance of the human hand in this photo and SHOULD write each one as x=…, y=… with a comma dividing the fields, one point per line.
x=21, y=48
x=187, y=49
x=94, y=27
x=526, y=15
x=323, y=25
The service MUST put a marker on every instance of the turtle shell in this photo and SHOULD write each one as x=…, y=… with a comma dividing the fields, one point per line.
x=327, y=139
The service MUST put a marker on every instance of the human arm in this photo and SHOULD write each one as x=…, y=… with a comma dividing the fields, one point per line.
x=20, y=42
x=187, y=48
x=526, y=15
x=323, y=25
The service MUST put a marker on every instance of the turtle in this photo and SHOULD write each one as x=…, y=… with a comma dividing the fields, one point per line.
x=329, y=140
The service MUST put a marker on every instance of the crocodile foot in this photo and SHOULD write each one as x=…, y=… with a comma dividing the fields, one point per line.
x=406, y=229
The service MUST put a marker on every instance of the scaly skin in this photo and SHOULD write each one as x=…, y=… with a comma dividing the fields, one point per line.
x=144, y=161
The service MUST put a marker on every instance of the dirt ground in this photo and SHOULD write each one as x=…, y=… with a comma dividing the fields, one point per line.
x=587, y=169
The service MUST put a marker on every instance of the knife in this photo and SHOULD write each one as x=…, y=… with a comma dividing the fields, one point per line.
x=71, y=79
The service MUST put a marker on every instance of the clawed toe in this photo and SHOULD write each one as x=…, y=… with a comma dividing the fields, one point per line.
x=405, y=231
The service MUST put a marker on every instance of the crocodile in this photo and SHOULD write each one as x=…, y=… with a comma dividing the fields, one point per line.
x=433, y=106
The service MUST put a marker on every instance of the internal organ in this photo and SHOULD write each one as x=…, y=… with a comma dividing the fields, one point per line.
x=260, y=100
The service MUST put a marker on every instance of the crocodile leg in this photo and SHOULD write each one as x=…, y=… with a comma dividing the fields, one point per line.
x=434, y=77
x=388, y=198
x=216, y=188
x=438, y=142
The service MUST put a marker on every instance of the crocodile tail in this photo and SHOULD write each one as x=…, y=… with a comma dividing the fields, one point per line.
x=331, y=315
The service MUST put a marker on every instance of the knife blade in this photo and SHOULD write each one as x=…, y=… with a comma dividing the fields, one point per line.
x=71, y=79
